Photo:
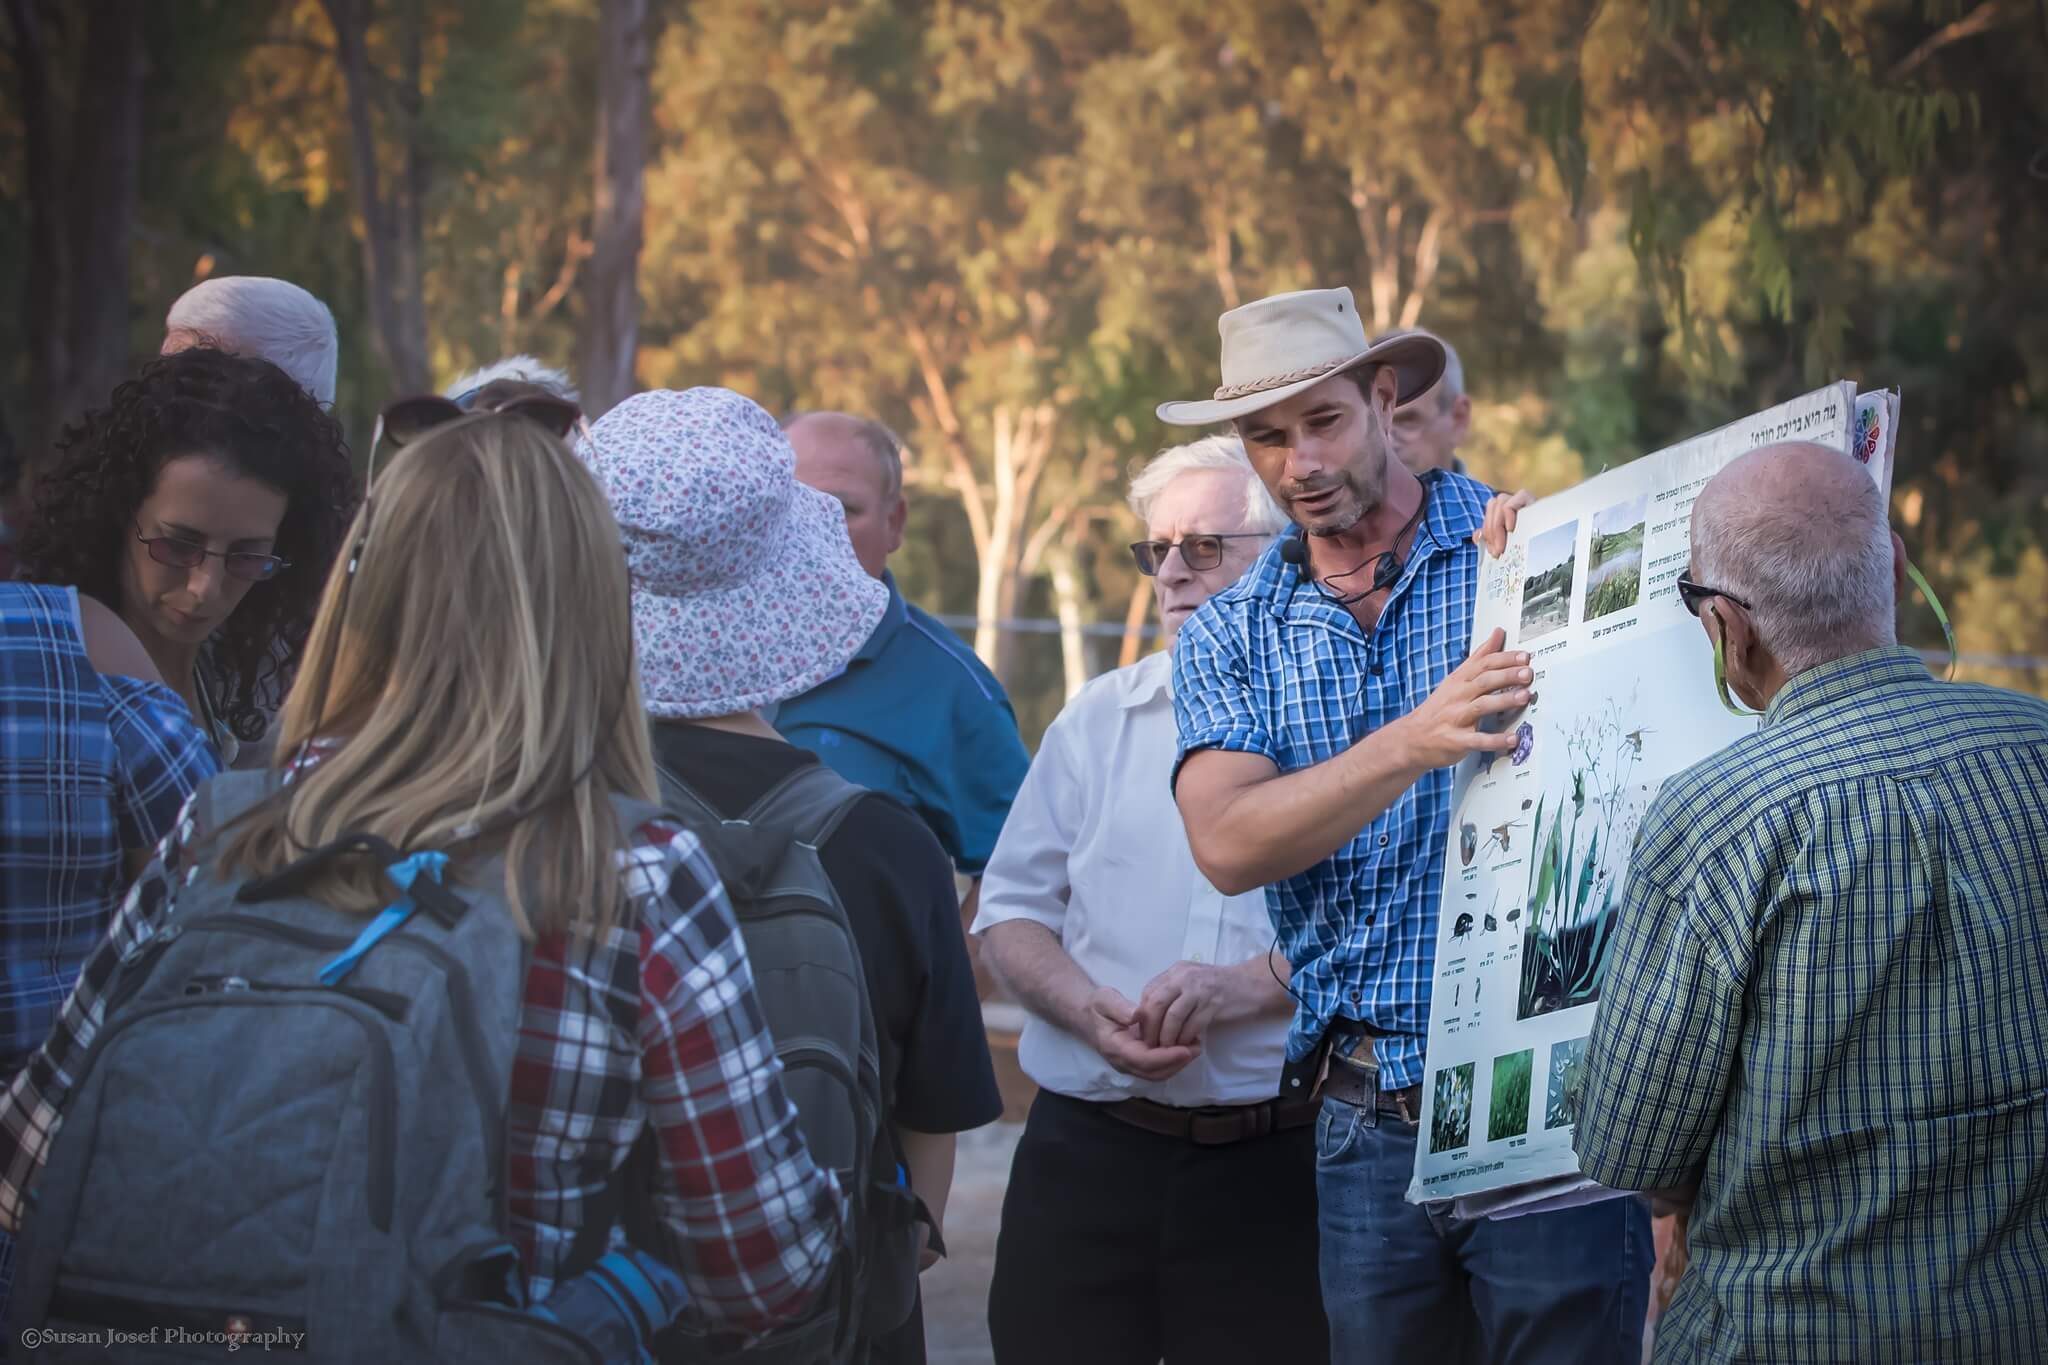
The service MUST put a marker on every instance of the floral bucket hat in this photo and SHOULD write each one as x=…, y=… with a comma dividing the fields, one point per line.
x=745, y=587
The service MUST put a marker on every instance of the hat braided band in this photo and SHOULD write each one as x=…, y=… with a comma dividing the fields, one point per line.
x=1281, y=381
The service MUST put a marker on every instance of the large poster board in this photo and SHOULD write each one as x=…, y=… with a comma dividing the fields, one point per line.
x=1539, y=838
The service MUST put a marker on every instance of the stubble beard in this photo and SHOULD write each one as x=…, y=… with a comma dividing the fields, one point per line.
x=1366, y=489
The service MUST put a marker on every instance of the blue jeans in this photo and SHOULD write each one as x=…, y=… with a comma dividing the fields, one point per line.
x=1401, y=1284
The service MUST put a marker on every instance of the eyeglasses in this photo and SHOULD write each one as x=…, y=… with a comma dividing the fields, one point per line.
x=1197, y=552
x=178, y=553
x=1695, y=595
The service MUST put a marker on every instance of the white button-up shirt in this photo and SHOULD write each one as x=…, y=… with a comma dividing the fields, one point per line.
x=1095, y=851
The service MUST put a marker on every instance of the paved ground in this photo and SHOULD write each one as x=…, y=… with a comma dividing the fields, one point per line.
x=956, y=1289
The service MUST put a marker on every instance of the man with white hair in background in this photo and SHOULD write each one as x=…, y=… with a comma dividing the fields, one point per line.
x=1429, y=430
x=1822, y=1014
x=523, y=369
x=269, y=319
x=1162, y=1201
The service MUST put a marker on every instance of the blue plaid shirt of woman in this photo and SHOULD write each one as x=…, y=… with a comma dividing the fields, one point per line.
x=90, y=768
x=1269, y=666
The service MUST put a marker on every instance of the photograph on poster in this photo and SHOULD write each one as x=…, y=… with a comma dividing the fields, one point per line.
x=1614, y=561
x=1547, y=590
x=1507, y=1111
x=1450, y=1124
x=1567, y=1062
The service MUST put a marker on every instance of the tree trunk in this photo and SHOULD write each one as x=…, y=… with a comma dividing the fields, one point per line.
x=1136, y=613
x=82, y=178
x=611, y=323
x=1022, y=447
x=46, y=272
x=409, y=211
x=391, y=218
x=1068, y=605
x=106, y=161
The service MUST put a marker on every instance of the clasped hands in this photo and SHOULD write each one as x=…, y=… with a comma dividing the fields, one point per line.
x=1160, y=1034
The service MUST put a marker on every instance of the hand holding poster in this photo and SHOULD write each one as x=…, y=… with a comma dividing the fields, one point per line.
x=1540, y=836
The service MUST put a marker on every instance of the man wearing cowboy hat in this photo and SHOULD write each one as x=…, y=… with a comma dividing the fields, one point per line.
x=1322, y=701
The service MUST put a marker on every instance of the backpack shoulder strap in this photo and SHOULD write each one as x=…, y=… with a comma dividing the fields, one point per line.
x=806, y=806
x=680, y=798
x=743, y=855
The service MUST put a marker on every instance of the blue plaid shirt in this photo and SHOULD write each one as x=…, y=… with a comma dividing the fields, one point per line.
x=89, y=766
x=1268, y=666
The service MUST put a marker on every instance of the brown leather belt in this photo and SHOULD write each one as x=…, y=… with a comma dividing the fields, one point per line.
x=1359, y=1086
x=1215, y=1125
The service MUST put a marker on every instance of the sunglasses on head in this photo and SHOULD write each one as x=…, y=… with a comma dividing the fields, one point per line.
x=1198, y=552
x=178, y=553
x=1696, y=595
x=408, y=419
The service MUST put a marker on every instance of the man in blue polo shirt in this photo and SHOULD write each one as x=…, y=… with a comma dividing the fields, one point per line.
x=1322, y=700
x=915, y=714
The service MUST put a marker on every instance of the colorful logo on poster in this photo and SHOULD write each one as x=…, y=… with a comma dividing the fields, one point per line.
x=1869, y=431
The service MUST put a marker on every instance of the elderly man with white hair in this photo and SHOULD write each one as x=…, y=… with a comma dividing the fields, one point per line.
x=518, y=369
x=1162, y=1203
x=269, y=319
x=1822, y=1018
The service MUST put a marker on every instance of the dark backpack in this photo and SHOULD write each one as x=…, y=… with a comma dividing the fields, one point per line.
x=249, y=1151
x=807, y=972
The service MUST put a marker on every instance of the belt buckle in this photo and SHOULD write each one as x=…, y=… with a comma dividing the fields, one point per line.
x=1355, y=1048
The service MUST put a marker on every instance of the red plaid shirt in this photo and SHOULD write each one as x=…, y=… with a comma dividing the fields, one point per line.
x=654, y=1023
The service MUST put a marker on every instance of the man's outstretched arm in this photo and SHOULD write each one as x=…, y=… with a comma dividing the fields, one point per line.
x=1249, y=824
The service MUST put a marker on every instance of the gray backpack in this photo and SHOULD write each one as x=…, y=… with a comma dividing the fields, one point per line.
x=250, y=1154
x=807, y=973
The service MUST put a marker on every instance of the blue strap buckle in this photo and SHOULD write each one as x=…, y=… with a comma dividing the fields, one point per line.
x=405, y=872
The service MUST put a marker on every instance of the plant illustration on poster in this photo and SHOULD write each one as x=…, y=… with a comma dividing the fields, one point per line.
x=1614, y=562
x=1581, y=840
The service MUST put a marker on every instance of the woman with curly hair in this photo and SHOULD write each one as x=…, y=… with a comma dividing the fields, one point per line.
x=205, y=504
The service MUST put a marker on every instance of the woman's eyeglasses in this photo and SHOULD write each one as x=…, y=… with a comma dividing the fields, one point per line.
x=1197, y=552
x=1695, y=595
x=178, y=553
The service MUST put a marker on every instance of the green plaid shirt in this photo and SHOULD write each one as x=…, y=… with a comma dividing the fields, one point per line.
x=1828, y=1005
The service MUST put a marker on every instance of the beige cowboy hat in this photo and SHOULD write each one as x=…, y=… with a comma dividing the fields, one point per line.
x=1276, y=347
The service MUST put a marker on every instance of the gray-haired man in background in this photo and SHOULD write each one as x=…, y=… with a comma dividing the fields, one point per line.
x=1428, y=431
x=268, y=319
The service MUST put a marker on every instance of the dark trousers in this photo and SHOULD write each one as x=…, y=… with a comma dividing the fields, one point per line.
x=1122, y=1247
x=1407, y=1284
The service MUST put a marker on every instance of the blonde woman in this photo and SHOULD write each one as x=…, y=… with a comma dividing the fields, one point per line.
x=470, y=690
